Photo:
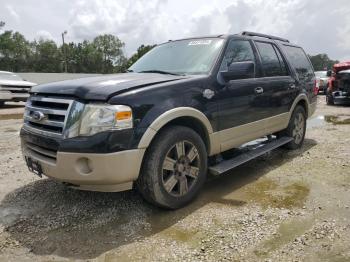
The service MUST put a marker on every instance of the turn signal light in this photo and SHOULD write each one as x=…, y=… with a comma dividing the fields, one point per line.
x=123, y=115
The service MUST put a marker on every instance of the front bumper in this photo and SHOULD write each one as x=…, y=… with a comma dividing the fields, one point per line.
x=9, y=96
x=111, y=172
x=341, y=98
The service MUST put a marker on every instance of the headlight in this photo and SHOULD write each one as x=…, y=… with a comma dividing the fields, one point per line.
x=97, y=118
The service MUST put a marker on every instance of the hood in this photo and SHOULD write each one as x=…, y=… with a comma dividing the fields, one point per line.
x=16, y=83
x=103, y=87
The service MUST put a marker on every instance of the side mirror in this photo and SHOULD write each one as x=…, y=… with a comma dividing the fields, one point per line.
x=329, y=73
x=239, y=70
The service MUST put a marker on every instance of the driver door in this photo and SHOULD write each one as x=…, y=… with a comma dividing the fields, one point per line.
x=239, y=115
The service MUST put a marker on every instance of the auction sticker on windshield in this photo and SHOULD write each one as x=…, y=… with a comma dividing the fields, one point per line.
x=200, y=42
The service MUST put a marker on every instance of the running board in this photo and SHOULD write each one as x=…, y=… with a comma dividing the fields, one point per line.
x=259, y=150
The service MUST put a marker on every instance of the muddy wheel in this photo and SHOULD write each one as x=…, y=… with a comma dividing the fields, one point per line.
x=296, y=128
x=174, y=168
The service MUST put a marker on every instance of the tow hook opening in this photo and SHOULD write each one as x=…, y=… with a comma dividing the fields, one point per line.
x=84, y=166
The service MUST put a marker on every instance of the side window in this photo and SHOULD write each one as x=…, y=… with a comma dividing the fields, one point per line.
x=237, y=51
x=271, y=63
x=300, y=62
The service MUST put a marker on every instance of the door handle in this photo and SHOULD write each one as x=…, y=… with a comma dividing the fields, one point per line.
x=259, y=90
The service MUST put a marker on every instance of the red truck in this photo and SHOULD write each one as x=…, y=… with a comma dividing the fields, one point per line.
x=338, y=91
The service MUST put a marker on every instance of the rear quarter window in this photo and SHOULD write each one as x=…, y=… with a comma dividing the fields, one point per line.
x=300, y=62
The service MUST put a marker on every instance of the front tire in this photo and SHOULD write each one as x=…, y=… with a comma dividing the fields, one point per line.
x=174, y=168
x=296, y=128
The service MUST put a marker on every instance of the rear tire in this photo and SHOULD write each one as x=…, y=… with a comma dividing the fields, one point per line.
x=174, y=169
x=296, y=128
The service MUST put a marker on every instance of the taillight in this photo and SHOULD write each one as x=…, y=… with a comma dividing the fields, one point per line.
x=316, y=87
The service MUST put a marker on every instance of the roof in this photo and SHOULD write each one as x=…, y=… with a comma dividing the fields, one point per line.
x=245, y=34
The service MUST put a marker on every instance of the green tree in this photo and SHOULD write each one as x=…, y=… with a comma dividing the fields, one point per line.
x=111, y=50
x=143, y=49
x=14, y=51
x=102, y=55
x=46, y=56
x=322, y=62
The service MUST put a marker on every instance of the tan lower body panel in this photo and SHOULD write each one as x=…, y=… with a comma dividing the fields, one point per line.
x=97, y=172
x=236, y=136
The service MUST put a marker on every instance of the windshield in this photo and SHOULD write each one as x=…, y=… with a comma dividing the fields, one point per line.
x=194, y=56
x=9, y=76
x=321, y=73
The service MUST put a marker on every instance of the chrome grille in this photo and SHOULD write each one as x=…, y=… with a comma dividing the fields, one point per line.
x=15, y=89
x=46, y=116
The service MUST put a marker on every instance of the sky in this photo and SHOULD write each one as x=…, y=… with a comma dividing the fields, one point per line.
x=319, y=26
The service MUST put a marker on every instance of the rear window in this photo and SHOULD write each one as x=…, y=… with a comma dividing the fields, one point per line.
x=300, y=62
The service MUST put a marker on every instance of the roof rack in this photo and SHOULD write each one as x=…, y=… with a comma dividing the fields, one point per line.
x=265, y=36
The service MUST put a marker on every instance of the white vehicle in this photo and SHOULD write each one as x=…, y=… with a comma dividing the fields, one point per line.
x=322, y=80
x=13, y=88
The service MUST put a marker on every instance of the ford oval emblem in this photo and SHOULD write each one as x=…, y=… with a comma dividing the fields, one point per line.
x=38, y=116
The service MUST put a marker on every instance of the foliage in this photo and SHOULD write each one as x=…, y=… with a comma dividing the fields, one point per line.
x=322, y=62
x=143, y=49
x=102, y=55
x=14, y=51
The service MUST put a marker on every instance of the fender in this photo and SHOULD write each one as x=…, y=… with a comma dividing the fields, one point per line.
x=172, y=114
x=300, y=97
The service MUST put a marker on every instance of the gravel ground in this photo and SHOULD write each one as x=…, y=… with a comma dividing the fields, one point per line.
x=283, y=206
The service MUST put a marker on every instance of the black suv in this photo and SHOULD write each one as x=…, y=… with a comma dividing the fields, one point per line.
x=157, y=126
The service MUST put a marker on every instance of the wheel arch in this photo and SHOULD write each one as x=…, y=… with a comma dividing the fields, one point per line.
x=301, y=100
x=184, y=116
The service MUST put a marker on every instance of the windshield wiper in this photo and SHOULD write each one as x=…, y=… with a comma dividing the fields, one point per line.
x=160, y=72
x=129, y=71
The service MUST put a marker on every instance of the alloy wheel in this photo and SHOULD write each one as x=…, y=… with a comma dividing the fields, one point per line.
x=180, y=168
x=299, y=126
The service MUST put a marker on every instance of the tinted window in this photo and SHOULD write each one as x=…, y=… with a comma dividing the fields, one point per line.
x=300, y=62
x=237, y=51
x=270, y=61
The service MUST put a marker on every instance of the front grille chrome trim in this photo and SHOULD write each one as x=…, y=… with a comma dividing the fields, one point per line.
x=45, y=121
x=41, y=132
x=47, y=110
x=53, y=118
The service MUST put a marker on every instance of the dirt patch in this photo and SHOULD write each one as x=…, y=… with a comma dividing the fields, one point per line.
x=11, y=116
x=270, y=194
x=338, y=119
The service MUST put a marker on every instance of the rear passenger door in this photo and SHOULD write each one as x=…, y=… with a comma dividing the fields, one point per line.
x=279, y=87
